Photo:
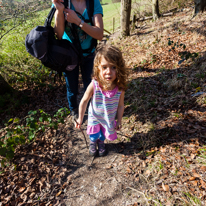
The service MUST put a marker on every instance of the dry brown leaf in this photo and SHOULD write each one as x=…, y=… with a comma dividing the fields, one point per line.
x=182, y=168
x=194, y=182
x=58, y=193
x=165, y=187
x=203, y=184
x=192, y=178
x=143, y=164
x=6, y=199
x=69, y=178
x=203, y=168
x=179, y=173
x=22, y=189
x=163, y=158
x=108, y=166
x=32, y=195
x=129, y=170
x=147, y=172
x=192, y=189
x=196, y=175
x=31, y=180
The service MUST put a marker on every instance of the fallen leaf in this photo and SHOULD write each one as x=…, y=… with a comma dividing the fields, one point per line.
x=108, y=167
x=143, y=164
x=192, y=189
x=182, y=168
x=192, y=178
x=147, y=172
x=203, y=184
x=32, y=195
x=203, y=168
x=196, y=175
x=179, y=173
x=193, y=156
x=22, y=189
x=58, y=193
x=194, y=182
x=6, y=199
x=165, y=187
x=129, y=170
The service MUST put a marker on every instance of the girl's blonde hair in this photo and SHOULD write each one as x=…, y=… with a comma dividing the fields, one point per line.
x=114, y=56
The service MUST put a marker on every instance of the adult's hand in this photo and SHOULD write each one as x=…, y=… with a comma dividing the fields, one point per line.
x=58, y=5
x=71, y=16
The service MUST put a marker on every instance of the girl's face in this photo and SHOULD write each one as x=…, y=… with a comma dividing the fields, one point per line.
x=108, y=72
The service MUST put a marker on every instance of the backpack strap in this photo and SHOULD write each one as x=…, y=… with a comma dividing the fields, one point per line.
x=90, y=11
x=52, y=12
x=49, y=17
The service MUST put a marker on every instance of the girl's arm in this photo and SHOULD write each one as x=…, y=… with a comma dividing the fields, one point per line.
x=120, y=111
x=95, y=31
x=83, y=104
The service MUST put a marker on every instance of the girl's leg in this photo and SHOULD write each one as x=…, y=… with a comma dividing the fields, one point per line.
x=93, y=143
x=101, y=145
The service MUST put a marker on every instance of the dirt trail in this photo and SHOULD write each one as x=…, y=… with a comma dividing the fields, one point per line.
x=99, y=180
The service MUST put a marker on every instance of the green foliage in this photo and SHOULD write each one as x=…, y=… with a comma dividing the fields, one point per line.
x=161, y=165
x=185, y=55
x=15, y=62
x=193, y=200
x=18, y=133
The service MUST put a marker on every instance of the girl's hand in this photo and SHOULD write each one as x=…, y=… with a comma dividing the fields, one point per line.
x=58, y=5
x=78, y=124
x=118, y=126
x=71, y=16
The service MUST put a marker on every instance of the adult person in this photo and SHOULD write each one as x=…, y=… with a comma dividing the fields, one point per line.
x=85, y=33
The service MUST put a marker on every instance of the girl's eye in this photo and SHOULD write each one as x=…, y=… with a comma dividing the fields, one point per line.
x=104, y=67
x=114, y=67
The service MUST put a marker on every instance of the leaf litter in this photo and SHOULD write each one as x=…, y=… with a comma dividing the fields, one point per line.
x=159, y=157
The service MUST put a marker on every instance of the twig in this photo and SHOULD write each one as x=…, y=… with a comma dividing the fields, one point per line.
x=114, y=159
x=143, y=177
x=140, y=193
x=92, y=161
x=123, y=134
x=107, y=31
x=82, y=133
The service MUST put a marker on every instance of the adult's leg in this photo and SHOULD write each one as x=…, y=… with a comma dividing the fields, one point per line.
x=71, y=78
x=87, y=69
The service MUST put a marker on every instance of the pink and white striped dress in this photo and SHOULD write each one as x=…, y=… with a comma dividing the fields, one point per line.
x=102, y=111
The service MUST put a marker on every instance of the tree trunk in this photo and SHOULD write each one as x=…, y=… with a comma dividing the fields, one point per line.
x=125, y=17
x=5, y=87
x=200, y=5
x=155, y=9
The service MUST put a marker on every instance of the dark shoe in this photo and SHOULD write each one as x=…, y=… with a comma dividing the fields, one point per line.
x=92, y=148
x=101, y=148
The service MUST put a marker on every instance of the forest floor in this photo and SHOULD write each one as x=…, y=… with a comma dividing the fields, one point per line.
x=159, y=157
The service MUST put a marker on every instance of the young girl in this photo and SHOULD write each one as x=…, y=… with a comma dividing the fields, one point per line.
x=106, y=92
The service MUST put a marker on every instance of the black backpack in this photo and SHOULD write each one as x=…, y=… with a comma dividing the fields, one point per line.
x=59, y=55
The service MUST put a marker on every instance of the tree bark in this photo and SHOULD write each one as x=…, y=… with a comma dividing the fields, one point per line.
x=125, y=17
x=200, y=5
x=5, y=87
x=155, y=9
